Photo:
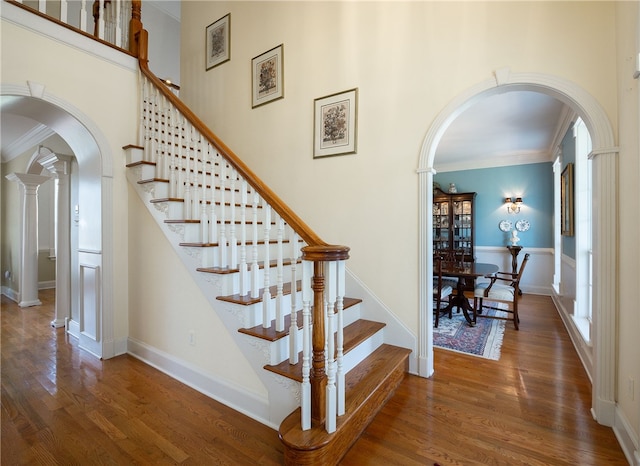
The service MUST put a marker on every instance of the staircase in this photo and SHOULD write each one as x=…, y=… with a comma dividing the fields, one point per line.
x=279, y=289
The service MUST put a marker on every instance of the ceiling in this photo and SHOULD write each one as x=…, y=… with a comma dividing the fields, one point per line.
x=504, y=129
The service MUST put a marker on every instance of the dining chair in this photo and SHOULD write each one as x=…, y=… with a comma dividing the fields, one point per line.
x=505, y=291
x=441, y=291
x=449, y=259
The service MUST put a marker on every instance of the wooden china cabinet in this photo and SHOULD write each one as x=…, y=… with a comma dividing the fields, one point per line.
x=454, y=224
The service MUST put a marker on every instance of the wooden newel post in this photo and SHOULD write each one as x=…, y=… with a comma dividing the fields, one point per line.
x=318, y=377
x=135, y=26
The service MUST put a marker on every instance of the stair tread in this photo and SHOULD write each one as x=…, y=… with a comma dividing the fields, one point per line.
x=247, y=299
x=354, y=334
x=271, y=334
x=377, y=372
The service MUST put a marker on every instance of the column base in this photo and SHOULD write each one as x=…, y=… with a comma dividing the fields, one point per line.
x=35, y=302
x=57, y=323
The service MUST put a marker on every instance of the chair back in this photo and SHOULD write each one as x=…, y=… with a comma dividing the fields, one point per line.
x=520, y=272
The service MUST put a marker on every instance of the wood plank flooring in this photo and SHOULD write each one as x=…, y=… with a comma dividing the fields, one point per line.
x=60, y=405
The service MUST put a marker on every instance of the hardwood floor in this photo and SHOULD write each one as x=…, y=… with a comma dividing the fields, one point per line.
x=61, y=405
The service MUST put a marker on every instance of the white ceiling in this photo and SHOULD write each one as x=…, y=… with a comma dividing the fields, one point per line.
x=504, y=129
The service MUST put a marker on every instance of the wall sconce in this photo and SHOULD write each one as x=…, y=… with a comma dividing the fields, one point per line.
x=513, y=207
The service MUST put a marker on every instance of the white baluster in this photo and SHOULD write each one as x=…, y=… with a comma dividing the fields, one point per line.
x=280, y=277
x=305, y=388
x=187, y=184
x=255, y=268
x=266, y=293
x=118, y=28
x=233, y=240
x=64, y=11
x=244, y=271
x=330, y=298
x=101, y=20
x=195, y=189
x=83, y=15
x=213, y=219
x=204, y=214
x=340, y=376
x=143, y=100
x=222, y=237
x=162, y=152
x=42, y=6
x=293, y=329
x=153, y=134
x=175, y=154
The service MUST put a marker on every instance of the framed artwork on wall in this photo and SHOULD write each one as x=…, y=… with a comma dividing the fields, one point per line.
x=218, y=42
x=335, y=124
x=566, y=201
x=267, y=77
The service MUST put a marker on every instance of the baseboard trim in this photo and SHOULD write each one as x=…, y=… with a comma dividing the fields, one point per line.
x=11, y=294
x=627, y=438
x=225, y=392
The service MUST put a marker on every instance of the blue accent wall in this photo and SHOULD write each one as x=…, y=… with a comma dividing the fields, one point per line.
x=532, y=182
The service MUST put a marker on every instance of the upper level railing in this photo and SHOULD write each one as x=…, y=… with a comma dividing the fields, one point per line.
x=114, y=22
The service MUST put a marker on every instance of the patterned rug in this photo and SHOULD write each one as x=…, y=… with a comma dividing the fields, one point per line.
x=483, y=340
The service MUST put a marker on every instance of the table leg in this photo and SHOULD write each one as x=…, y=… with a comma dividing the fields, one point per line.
x=461, y=302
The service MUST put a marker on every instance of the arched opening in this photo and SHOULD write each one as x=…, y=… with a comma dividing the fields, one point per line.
x=90, y=317
x=603, y=156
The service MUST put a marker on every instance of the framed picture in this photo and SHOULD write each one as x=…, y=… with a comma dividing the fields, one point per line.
x=218, y=42
x=566, y=201
x=267, y=77
x=335, y=124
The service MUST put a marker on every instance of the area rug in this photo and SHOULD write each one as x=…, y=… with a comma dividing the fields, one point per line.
x=483, y=340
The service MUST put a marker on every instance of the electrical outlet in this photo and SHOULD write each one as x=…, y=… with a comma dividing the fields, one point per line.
x=192, y=338
x=631, y=388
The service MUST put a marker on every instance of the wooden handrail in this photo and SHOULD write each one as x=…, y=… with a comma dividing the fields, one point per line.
x=292, y=219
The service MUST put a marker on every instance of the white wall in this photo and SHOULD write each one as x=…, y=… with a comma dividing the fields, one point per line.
x=628, y=41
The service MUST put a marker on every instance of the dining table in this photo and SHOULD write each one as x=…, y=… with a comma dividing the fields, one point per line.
x=466, y=273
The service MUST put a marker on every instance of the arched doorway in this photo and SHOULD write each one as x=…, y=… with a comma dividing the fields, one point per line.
x=603, y=156
x=91, y=317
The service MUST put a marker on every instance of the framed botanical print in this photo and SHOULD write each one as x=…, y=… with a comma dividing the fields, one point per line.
x=267, y=77
x=218, y=42
x=335, y=124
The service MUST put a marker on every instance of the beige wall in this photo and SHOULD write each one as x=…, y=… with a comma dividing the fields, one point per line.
x=628, y=41
x=408, y=60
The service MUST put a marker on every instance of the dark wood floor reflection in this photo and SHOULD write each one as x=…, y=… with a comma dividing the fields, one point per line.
x=61, y=405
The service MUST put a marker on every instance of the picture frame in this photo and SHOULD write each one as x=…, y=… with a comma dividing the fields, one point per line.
x=336, y=124
x=267, y=76
x=566, y=201
x=218, y=42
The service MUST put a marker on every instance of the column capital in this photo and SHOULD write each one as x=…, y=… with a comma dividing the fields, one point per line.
x=56, y=164
x=27, y=179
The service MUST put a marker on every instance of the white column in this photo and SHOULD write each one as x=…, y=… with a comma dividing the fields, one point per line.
x=60, y=167
x=605, y=266
x=28, y=281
